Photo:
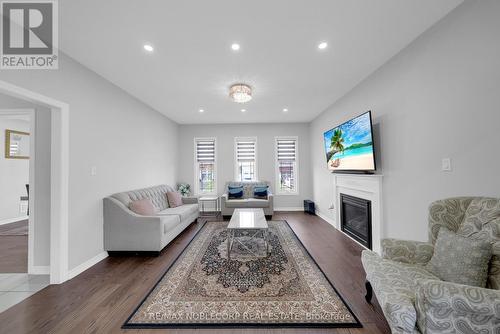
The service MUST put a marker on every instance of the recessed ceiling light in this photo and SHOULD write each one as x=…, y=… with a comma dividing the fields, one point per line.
x=322, y=45
x=285, y=109
x=148, y=48
x=201, y=110
x=243, y=110
x=235, y=46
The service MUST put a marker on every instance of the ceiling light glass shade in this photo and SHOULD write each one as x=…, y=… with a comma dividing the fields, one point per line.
x=240, y=93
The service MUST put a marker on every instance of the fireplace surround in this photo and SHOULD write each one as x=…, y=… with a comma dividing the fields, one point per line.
x=367, y=187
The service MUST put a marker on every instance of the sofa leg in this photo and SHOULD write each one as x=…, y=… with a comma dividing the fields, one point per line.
x=369, y=292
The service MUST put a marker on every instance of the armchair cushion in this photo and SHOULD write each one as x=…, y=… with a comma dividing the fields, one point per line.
x=445, y=307
x=460, y=260
x=406, y=251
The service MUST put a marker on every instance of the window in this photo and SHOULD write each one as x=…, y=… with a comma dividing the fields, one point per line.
x=245, y=164
x=205, y=165
x=286, y=165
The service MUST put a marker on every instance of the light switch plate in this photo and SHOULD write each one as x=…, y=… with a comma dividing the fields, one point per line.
x=93, y=171
x=446, y=164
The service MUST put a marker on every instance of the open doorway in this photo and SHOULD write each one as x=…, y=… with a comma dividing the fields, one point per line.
x=15, y=130
x=24, y=220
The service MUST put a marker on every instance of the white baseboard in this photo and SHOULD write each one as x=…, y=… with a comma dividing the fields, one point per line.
x=329, y=220
x=12, y=220
x=39, y=270
x=289, y=208
x=86, y=265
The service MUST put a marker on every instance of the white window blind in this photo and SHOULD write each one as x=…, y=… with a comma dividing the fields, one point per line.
x=286, y=165
x=245, y=150
x=205, y=174
x=245, y=159
x=286, y=149
x=205, y=150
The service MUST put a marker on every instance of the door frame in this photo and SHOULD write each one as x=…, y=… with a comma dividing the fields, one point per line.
x=59, y=176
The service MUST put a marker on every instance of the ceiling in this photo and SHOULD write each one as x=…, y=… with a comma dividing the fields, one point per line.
x=192, y=65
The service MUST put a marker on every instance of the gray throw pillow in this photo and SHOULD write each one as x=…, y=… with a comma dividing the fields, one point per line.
x=460, y=260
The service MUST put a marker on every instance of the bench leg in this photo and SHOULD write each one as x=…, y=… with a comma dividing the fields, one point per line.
x=369, y=292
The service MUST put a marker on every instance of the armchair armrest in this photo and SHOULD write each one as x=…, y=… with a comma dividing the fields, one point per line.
x=406, y=251
x=445, y=307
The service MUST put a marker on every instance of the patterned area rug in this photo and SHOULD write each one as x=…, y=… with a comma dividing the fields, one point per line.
x=204, y=288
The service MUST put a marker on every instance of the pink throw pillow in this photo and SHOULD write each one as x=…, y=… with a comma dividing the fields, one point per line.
x=143, y=207
x=174, y=199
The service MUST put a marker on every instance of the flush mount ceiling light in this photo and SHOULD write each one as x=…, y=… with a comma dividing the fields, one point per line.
x=235, y=46
x=240, y=93
x=285, y=109
x=322, y=45
x=201, y=110
x=148, y=48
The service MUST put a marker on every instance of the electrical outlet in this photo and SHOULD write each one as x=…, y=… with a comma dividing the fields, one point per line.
x=446, y=164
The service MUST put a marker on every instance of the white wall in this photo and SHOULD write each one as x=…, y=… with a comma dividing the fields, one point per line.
x=14, y=173
x=130, y=144
x=438, y=98
x=265, y=133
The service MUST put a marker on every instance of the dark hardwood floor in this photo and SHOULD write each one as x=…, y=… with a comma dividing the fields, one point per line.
x=13, y=249
x=100, y=299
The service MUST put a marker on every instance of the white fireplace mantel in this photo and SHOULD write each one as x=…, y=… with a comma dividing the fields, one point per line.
x=368, y=187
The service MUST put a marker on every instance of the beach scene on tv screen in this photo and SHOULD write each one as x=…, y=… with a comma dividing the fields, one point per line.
x=350, y=145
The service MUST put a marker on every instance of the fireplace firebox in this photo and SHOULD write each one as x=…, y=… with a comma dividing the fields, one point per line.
x=356, y=219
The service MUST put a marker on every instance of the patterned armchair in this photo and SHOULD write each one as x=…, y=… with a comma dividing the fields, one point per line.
x=413, y=299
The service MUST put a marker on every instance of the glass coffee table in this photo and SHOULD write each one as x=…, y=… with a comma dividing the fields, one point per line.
x=251, y=221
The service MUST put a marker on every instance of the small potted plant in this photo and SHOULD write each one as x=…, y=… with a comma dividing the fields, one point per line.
x=184, y=189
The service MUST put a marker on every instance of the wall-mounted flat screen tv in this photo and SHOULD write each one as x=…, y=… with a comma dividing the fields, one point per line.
x=349, y=146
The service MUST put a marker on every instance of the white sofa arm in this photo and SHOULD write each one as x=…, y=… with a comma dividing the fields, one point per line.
x=125, y=230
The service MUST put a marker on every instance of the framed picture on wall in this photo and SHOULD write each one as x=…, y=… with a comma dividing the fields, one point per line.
x=17, y=144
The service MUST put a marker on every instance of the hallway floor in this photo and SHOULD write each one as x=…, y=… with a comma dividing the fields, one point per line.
x=14, y=288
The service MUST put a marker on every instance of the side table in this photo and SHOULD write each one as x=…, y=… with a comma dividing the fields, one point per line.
x=209, y=199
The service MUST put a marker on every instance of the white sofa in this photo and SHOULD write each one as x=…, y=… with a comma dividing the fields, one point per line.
x=126, y=231
x=228, y=205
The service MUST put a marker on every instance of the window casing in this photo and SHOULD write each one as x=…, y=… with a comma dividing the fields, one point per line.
x=287, y=171
x=205, y=156
x=245, y=159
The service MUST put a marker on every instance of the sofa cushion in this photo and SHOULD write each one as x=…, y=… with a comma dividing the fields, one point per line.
x=170, y=223
x=460, y=260
x=234, y=192
x=395, y=284
x=247, y=186
x=174, y=199
x=183, y=211
x=143, y=207
x=236, y=203
x=257, y=203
